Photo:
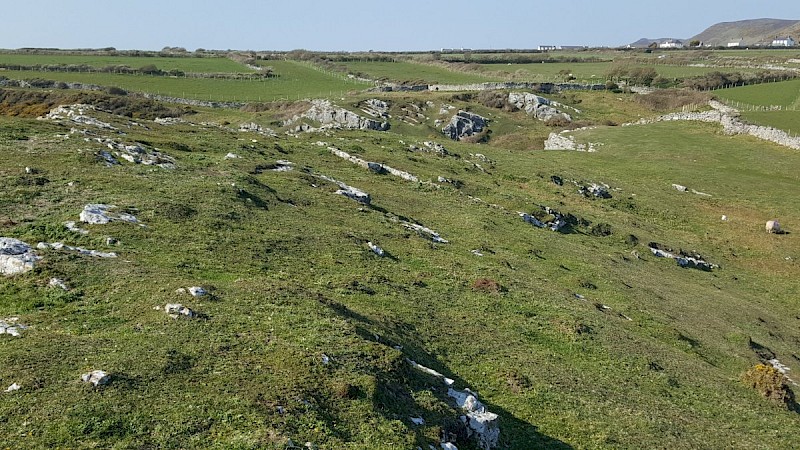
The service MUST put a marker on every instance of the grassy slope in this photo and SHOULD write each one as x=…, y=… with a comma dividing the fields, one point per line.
x=785, y=94
x=293, y=279
x=197, y=65
x=415, y=73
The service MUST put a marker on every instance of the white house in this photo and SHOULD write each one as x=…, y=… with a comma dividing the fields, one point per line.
x=739, y=43
x=545, y=48
x=783, y=42
x=671, y=43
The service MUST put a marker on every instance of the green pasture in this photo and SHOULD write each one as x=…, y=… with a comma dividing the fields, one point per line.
x=293, y=82
x=409, y=72
x=188, y=64
x=784, y=93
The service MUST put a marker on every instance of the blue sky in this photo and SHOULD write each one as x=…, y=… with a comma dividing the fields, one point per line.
x=353, y=25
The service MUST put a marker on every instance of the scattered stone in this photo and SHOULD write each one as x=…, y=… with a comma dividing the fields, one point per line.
x=418, y=421
x=375, y=249
x=464, y=124
x=11, y=326
x=421, y=368
x=176, y=310
x=326, y=359
x=256, y=128
x=562, y=141
x=232, y=156
x=135, y=153
x=430, y=147
x=425, y=232
x=373, y=166
x=557, y=180
x=448, y=446
x=596, y=190
x=108, y=158
x=476, y=252
x=376, y=108
x=72, y=226
x=13, y=387
x=168, y=120
x=580, y=297
x=197, y=291
x=724, y=218
x=773, y=226
x=111, y=241
x=100, y=214
x=690, y=261
x=680, y=188
x=58, y=283
x=96, y=378
x=16, y=256
x=80, y=250
x=355, y=194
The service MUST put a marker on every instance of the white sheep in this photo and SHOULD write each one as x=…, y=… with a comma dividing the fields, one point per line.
x=773, y=226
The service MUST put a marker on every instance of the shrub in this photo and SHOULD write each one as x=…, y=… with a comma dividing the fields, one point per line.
x=770, y=383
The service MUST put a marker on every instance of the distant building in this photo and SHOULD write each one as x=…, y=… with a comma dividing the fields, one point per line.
x=573, y=47
x=545, y=48
x=739, y=43
x=783, y=41
x=671, y=43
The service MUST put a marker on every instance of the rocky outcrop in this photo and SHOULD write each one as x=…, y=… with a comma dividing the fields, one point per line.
x=176, y=310
x=332, y=116
x=11, y=326
x=349, y=191
x=375, y=167
x=79, y=250
x=563, y=141
x=375, y=108
x=684, y=259
x=538, y=107
x=135, y=153
x=483, y=425
x=96, y=378
x=465, y=124
x=100, y=214
x=77, y=114
x=16, y=256
x=425, y=232
x=253, y=127
x=547, y=218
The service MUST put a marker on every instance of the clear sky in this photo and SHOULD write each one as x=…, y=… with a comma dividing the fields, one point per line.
x=353, y=25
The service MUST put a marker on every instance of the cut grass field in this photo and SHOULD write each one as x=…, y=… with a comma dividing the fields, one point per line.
x=784, y=93
x=293, y=281
x=187, y=64
x=415, y=73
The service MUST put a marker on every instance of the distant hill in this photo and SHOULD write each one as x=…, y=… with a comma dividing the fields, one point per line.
x=752, y=32
x=645, y=42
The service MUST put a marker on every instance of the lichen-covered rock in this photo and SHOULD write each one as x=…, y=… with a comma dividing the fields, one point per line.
x=96, y=378
x=331, y=116
x=77, y=114
x=538, y=107
x=11, y=326
x=464, y=124
x=484, y=425
x=176, y=310
x=16, y=256
x=100, y=214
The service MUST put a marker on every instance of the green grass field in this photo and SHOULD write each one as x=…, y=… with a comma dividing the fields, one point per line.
x=189, y=64
x=587, y=341
x=415, y=73
x=786, y=93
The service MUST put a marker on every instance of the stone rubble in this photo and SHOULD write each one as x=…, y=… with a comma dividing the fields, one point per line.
x=562, y=141
x=464, y=124
x=376, y=108
x=484, y=425
x=16, y=256
x=253, y=127
x=100, y=214
x=96, y=378
x=80, y=250
x=349, y=191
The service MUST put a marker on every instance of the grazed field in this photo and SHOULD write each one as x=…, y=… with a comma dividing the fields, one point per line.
x=188, y=64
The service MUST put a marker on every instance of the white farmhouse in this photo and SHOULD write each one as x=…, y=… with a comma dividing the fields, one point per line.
x=739, y=43
x=671, y=43
x=783, y=41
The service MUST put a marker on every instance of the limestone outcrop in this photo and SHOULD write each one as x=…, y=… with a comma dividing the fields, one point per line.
x=465, y=124
x=538, y=107
x=16, y=256
x=332, y=116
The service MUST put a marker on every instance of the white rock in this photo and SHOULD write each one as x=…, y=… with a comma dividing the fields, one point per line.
x=71, y=226
x=448, y=446
x=16, y=257
x=418, y=421
x=724, y=218
x=100, y=214
x=13, y=387
x=11, y=327
x=96, y=377
x=198, y=291
x=58, y=283
x=375, y=249
x=326, y=359
x=232, y=156
x=680, y=188
x=421, y=368
x=176, y=310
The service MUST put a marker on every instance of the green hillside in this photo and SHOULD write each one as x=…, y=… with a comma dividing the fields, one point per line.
x=576, y=338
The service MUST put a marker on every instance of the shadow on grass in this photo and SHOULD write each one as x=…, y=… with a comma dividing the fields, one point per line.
x=395, y=391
